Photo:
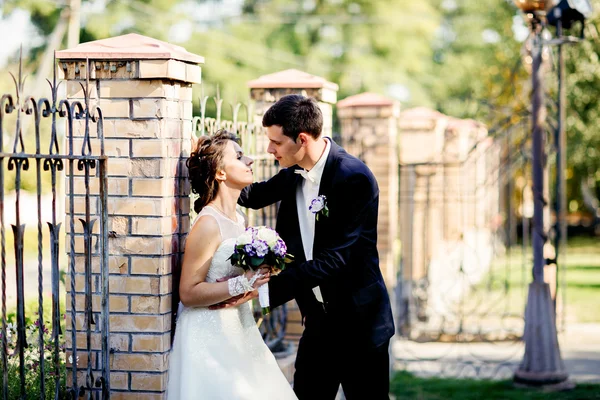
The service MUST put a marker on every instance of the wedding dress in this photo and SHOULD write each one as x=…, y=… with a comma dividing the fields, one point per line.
x=220, y=354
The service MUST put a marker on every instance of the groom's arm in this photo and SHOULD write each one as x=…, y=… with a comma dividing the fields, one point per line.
x=362, y=206
x=263, y=194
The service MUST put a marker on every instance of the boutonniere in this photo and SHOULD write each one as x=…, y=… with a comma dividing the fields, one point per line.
x=318, y=207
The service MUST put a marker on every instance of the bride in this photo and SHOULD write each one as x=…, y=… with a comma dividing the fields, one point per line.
x=219, y=354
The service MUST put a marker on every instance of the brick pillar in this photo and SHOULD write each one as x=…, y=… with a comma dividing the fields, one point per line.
x=143, y=87
x=267, y=89
x=371, y=121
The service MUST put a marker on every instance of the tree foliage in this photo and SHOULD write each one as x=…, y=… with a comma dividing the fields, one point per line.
x=462, y=57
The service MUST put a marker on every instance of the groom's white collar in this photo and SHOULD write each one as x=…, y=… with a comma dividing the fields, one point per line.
x=315, y=173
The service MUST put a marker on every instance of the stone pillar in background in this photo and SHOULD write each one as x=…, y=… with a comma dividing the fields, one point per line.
x=369, y=129
x=143, y=87
x=267, y=89
x=422, y=138
x=449, y=191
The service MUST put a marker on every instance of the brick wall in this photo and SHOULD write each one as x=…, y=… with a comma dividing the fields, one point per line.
x=147, y=108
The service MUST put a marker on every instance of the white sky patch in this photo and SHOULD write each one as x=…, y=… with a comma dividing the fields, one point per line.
x=336, y=50
x=354, y=8
x=16, y=30
x=309, y=5
x=122, y=24
x=449, y=5
x=91, y=8
x=519, y=28
x=211, y=11
x=399, y=92
x=181, y=32
x=490, y=36
x=328, y=31
x=445, y=34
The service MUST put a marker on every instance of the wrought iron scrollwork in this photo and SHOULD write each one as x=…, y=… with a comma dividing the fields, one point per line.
x=461, y=311
x=51, y=162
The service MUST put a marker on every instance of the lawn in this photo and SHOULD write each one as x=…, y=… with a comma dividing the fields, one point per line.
x=579, y=283
x=494, y=304
x=502, y=292
x=407, y=386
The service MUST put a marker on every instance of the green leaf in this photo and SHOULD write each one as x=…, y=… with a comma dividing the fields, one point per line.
x=256, y=261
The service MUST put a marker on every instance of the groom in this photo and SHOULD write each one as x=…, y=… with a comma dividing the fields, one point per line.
x=328, y=219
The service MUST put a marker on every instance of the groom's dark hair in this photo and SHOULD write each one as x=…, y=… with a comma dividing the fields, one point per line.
x=295, y=114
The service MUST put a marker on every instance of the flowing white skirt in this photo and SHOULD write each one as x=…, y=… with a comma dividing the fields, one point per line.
x=220, y=354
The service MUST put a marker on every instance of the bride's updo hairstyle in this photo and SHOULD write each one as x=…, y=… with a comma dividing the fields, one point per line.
x=203, y=164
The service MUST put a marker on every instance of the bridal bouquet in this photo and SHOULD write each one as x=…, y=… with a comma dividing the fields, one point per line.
x=257, y=246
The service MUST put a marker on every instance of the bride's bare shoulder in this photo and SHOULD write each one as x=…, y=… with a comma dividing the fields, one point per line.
x=206, y=227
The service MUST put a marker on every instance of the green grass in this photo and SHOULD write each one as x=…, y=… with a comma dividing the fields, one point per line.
x=406, y=386
x=582, y=278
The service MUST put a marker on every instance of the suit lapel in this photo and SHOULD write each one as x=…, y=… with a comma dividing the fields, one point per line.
x=290, y=219
x=327, y=176
x=324, y=190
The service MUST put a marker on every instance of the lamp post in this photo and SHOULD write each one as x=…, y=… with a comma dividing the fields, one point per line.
x=542, y=364
x=563, y=15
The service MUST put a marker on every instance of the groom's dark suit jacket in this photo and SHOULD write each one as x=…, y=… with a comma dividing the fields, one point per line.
x=345, y=261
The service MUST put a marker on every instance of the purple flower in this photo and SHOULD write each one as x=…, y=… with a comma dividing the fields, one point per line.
x=262, y=248
x=280, y=248
x=317, y=204
x=319, y=207
x=249, y=249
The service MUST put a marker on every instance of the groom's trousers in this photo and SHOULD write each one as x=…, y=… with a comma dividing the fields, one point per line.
x=330, y=353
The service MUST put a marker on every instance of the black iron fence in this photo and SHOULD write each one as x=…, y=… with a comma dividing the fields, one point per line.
x=34, y=360
x=466, y=261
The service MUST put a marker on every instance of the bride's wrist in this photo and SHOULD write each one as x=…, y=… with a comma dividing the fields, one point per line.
x=239, y=285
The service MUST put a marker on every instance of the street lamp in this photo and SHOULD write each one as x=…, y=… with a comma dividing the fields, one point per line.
x=563, y=15
x=568, y=11
x=533, y=6
x=542, y=364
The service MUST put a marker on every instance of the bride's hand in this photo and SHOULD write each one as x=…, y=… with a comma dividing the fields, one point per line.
x=243, y=298
x=235, y=301
x=264, y=276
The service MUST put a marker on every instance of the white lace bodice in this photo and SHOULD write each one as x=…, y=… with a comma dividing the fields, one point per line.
x=230, y=230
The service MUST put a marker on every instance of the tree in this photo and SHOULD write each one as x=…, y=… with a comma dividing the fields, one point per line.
x=481, y=73
x=478, y=64
x=99, y=19
x=583, y=113
x=378, y=45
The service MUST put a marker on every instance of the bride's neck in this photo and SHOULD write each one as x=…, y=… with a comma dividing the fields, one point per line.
x=226, y=201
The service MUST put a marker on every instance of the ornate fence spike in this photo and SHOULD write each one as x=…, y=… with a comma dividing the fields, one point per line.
x=53, y=112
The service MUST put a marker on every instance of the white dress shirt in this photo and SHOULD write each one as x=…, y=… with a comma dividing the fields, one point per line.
x=307, y=191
